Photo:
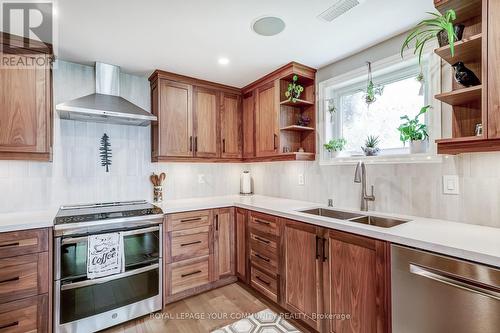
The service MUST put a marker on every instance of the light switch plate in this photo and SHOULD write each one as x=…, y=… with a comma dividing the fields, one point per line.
x=451, y=184
x=201, y=179
x=301, y=179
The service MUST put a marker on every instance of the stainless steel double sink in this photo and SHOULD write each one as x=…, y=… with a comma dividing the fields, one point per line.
x=383, y=222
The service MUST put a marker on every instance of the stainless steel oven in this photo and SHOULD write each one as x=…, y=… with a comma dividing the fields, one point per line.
x=88, y=305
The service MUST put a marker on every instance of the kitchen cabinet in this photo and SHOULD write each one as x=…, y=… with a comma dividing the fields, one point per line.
x=241, y=244
x=206, y=120
x=26, y=106
x=224, y=251
x=267, y=120
x=356, y=282
x=249, y=125
x=302, y=270
x=231, y=130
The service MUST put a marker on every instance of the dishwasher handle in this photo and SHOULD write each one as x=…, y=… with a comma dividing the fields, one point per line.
x=454, y=282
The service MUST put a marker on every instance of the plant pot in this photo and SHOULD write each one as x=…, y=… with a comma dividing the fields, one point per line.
x=334, y=154
x=418, y=147
x=442, y=36
x=370, y=151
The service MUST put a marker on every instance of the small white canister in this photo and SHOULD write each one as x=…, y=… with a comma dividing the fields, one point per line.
x=246, y=183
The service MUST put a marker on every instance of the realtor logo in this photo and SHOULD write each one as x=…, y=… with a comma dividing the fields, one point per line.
x=32, y=20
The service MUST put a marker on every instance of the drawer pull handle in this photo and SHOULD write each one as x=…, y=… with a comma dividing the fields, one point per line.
x=192, y=243
x=14, y=323
x=262, y=222
x=262, y=280
x=10, y=244
x=262, y=257
x=265, y=241
x=189, y=274
x=10, y=280
x=191, y=220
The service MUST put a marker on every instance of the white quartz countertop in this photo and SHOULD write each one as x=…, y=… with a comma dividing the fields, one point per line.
x=471, y=242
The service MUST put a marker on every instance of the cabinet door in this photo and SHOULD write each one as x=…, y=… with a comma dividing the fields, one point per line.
x=231, y=126
x=356, y=283
x=224, y=243
x=206, y=108
x=241, y=244
x=301, y=271
x=249, y=125
x=175, y=117
x=25, y=111
x=493, y=69
x=267, y=120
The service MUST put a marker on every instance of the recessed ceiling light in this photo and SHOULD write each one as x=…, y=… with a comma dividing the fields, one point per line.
x=223, y=61
x=268, y=26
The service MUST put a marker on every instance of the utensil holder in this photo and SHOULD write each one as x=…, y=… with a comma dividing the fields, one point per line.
x=157, y=194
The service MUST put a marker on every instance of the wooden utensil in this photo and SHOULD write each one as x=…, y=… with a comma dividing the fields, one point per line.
x=162, y=177
x=154, y=179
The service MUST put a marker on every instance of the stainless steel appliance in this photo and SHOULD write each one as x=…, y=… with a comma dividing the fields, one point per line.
x=436, y=294
x=88, y=305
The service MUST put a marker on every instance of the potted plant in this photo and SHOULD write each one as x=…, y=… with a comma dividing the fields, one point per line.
x=294, y=90
x=440, y=27
x=335, y=146
x=371, y=146
x=371, y=89
x=415, y=132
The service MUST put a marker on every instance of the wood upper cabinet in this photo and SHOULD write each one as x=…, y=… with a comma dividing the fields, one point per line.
x=224, y=251
x=356, y=283
x=267, y=119
x=231, y=117
x=493, y=69
x=206, y=120
x=241, y=217
x=26, y=110
x=249, y=125
x=301, y=270
x=172, y=135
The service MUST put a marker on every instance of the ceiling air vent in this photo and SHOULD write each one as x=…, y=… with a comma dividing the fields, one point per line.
x=339, y=8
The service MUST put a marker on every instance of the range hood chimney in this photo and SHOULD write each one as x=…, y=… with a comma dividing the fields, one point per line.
x=106, y=105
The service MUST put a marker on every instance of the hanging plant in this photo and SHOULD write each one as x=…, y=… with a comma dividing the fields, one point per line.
x=105, y=152
x=294, y=90
x=332, y=109
x=421, y=79
x=372, y=91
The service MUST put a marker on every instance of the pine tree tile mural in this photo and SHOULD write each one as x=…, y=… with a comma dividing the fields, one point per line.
x=105, y=152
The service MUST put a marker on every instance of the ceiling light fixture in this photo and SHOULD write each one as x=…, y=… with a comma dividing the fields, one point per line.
x=268, y=25
x=223, y=61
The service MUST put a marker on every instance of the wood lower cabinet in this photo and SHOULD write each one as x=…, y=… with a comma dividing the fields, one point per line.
x=26, y=108
x=241, y=217
x=231, y=130
x=302, y=271
x=224, y=245
x=356, y=283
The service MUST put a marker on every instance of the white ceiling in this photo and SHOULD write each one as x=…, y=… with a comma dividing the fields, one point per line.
x=188, y=36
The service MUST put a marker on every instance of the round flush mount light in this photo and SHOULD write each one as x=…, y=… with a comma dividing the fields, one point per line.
x=268, y=26
x=223, y=61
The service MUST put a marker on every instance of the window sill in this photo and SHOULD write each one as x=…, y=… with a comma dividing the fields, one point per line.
x=384, y=159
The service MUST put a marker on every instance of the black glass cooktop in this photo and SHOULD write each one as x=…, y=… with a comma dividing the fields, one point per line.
x=105, y=211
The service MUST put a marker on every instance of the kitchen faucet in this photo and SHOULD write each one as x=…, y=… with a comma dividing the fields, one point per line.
x=360, y=177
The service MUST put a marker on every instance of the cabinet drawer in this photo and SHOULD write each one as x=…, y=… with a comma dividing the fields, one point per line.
x=23, y=276
x=189, y=243
x=188, y=220
x=26, y=315
x=189, y=275
x=264, y=223
x=260, y=241
x=265, y=283
x=17, y=243
x=264, y=259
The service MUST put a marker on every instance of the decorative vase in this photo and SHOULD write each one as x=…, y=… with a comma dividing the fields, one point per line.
x=157, y=194
x=442, y=36
x=370, y=151
x=418, y=147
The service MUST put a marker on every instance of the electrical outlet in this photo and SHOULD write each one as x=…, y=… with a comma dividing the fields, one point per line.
x=301, y=179
x=201, y=179
x=451, y=184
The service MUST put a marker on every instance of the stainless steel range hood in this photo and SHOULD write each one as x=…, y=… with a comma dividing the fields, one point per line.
x=106, y=105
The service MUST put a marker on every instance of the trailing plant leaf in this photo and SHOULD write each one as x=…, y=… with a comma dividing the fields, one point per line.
x=335, y=145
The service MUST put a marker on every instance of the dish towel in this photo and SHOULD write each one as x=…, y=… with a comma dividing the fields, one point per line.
x=105, y=255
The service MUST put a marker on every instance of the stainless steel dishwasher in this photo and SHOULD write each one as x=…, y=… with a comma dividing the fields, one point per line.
x=437, y=294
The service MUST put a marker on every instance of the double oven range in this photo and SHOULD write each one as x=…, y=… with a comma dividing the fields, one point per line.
x=88, y=305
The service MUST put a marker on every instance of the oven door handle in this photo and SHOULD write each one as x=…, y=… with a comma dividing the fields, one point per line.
x=75, y=240
x=87, y=283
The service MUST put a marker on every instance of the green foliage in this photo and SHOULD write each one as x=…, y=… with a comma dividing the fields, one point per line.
x=428, y=30
x=335, y=144
x=372, y=141
x=372, y=91
x=412, y=129
x=294, y=90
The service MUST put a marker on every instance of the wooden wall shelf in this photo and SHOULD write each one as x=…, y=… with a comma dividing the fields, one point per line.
x=461, y=96
x=474, y=144
x=297, y=103
x=297, y=128
x=465, y=9
x=465, y=50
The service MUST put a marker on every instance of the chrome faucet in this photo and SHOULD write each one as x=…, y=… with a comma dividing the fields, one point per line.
x=360, y=177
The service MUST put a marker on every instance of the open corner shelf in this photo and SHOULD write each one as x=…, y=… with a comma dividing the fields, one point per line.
x=297, y=103
x=469, y=144
x=464, y=9
x=465, y=50
x=297, y=128
x=461, y=96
